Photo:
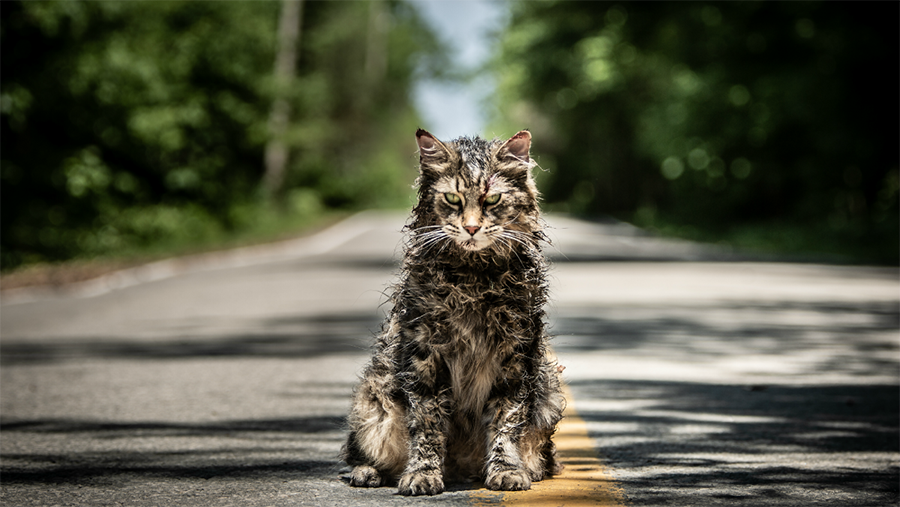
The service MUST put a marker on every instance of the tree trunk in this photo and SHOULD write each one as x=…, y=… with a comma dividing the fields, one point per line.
x=376, y=43
x=277, y=149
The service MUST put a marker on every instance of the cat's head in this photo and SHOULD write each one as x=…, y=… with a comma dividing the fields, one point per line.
x=476, y=194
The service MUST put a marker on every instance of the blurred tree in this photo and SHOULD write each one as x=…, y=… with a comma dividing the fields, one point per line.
x=132, y=123
x=285, y=68
x=712, y=115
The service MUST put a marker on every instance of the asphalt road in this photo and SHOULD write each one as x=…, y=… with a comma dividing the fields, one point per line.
x=703, y=379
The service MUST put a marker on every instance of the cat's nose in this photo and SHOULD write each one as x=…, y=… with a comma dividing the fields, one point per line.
x=472, y=229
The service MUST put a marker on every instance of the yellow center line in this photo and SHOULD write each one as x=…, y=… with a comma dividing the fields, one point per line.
x=585, y=480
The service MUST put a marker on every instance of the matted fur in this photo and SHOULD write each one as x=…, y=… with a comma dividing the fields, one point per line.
x=460, y=385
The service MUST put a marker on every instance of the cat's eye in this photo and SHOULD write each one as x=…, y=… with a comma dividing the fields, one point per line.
x=491, y=199
x=452, y=198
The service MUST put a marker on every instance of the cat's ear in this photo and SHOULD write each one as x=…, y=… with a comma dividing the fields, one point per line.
x=430, y=149
x=517, y=147
x=426, y=141
x=433, y=155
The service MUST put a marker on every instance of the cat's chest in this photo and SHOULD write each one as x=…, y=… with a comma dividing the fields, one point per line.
x=475, y=315
x=472, y=376
x=472, y=292
x=469, y=313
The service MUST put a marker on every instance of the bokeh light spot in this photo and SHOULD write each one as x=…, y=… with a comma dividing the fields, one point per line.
x=672, y=168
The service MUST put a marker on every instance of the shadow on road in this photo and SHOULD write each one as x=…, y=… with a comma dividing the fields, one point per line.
x=857, y=339
x=228, y=449
x=279, y=337
x=785, y=437
x=776, y=445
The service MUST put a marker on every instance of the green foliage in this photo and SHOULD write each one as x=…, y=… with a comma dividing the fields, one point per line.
x=717, y=116
x=132, y=124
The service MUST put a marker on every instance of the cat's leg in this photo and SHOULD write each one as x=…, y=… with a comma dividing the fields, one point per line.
x=522, y=421
x=552, y=464
x=537, y=450
x=427, y=424
x=505, y=469
x=538, y=454
x=365, y=476
x=378, y=440
x=428, y=419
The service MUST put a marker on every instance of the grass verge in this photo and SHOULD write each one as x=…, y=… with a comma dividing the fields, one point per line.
x=262, y=226
x=873, y=243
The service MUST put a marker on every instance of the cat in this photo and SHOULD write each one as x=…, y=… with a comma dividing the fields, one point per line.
x=461, y=384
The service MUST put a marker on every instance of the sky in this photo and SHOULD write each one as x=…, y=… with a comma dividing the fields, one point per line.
x=453, y=110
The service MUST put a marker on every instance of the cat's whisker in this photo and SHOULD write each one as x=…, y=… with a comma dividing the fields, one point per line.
x=444, y=247
x=422, y=233
x=423, y=239
x=426, y=229
x=429, y=245
x=430, y=239
x=513, y=238
x=539, y=237
x=428, y=235
x=507, y=245
x=431, y=230
x=441, y=237
x=425, y=245
x=515, y=232
x=505, y=241
x=521, y=238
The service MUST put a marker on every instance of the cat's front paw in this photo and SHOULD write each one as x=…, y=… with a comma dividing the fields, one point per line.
x=421, y=483
x=365, y=476
x=509, y=480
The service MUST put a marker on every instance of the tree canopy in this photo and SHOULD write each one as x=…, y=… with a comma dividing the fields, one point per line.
x=126, y=123
x=711, y=115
